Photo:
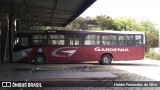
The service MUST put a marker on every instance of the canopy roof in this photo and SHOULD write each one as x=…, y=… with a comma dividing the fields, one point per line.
x=47, y=12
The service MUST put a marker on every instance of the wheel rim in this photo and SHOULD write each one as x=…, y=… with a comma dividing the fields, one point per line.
x=106, y=59
x=40, y=59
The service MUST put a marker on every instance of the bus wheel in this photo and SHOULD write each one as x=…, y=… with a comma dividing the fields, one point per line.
x=106, y=59
x=39, y=59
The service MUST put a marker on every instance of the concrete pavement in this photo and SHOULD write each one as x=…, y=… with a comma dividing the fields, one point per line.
x=140, y=70
x=29, y=72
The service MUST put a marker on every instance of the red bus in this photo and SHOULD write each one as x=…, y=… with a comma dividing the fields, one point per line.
x=77, y=46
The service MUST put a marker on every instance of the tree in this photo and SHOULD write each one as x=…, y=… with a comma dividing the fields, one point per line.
x=79, y=23
x=151, y=34
x=105, y=22
x=123, y=24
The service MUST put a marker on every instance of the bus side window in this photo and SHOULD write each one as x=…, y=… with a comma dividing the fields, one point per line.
x=81, y=40
x=39, y=39
x=20, y=43
x=95, y=40
x=129, y=40
x=92, y=40
x=23, y=41
x=78, y=39
x=56, y=39
x=121, y=40
x=113, y=40
x=72, y=39
x=138, y=40
x=106, y=40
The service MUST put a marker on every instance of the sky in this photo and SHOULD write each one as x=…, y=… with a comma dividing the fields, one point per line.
x=137, y=9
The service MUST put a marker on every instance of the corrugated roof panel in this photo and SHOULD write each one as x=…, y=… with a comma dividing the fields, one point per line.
x=47, y=12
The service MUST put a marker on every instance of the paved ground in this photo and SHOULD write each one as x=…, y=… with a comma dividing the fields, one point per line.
x=141, y=70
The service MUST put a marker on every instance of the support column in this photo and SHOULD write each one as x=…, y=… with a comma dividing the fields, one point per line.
x=0, y=33
x=11, y=33
x=4, y=31
x=17, y=25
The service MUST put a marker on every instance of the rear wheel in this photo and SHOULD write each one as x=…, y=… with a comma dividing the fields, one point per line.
x=39, y=59
x=106, y=59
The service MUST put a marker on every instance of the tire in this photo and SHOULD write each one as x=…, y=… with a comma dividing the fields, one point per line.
x=106, y=59
x=100, y=62
x=39, y=59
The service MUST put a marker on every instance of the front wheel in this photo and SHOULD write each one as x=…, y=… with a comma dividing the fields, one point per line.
x=106, y=59
x=39, y=59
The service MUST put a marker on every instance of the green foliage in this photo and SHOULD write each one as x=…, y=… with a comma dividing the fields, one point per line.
x=152, y=55
x=151, y=34
x=79, y=23
x=104, y=22
x=124, y=24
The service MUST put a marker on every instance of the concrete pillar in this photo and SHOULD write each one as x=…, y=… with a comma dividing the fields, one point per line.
x=0, y=33
x=4, y=31
x=11, y=33
x=17, y=25
x=7, y=28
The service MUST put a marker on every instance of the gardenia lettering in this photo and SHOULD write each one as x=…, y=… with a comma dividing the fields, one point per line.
x=111, y=49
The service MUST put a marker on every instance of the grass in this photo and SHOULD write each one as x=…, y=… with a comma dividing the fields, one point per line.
x=152, y=55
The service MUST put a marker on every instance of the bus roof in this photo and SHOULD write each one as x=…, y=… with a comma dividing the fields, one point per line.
x=81, y=31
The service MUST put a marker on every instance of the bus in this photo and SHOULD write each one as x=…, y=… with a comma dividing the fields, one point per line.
x=40, y=46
